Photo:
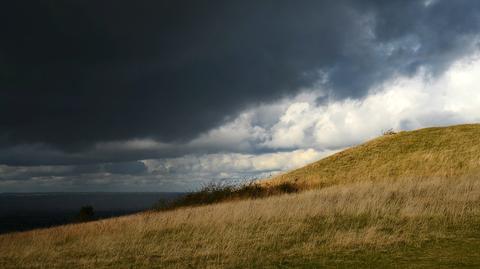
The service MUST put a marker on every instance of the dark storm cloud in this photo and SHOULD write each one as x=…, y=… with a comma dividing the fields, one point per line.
x=74, y=73
x=23, y=173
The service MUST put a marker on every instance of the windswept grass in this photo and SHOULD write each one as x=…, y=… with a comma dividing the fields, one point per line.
x=434, y=223
x=410, y=199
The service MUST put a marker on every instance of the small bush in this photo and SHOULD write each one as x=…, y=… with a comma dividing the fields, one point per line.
x=85, y=214
x=389, y=132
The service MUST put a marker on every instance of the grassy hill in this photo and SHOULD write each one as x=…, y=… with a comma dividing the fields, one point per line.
x=442, y=152
x=406, y=200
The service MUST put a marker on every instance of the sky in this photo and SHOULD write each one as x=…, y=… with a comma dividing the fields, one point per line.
x=170, y=95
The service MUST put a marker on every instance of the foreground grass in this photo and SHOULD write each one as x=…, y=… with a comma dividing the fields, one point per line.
x=432, y=223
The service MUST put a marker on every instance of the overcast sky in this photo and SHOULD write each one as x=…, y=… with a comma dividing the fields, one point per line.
x=167, y=95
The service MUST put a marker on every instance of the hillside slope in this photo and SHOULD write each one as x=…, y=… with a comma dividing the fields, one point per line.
x=442, y=152
x=407, y=223
x=427, y=221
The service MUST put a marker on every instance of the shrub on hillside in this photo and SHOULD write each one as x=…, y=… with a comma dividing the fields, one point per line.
x=217, y=192
x=86, y=213
x=389, y=132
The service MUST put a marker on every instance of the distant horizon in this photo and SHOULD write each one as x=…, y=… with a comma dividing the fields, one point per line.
x=25, y=211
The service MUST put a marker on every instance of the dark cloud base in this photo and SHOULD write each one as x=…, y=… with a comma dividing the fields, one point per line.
x=74, y=73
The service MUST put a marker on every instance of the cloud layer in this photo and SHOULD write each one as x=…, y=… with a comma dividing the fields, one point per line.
x=77, y=73
x=165, y=95
x=270, y=138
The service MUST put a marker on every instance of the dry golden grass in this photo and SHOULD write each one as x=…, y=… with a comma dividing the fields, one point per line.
x=311, y=226
x=404, y=199
x=445, y=152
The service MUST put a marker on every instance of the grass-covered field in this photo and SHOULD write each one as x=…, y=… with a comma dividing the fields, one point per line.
x=427, y=221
